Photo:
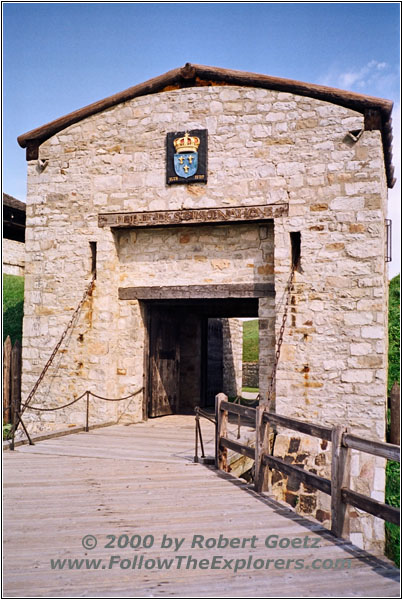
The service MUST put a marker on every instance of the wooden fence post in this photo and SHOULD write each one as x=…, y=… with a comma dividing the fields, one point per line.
x=221, y=431
x=395, y=414
x=6, y=380
x=16, y=379
x=339, y=456
x=261, y=446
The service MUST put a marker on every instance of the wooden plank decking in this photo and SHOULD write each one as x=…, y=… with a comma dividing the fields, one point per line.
x=140, y=480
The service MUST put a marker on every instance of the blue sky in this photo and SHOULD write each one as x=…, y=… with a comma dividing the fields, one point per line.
x=58, y=57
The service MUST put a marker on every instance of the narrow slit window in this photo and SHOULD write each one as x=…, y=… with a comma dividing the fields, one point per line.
x=388, y=224
x=93, y=247
x=295, y=249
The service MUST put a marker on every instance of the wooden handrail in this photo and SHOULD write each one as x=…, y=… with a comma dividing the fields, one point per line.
x=341, y=441
x=238, y=409
x=389, y=451
x=320, y=431
x=237, y=447
x=374, y=507
x=307, y=477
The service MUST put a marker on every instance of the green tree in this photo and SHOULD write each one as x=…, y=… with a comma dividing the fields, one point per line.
x=394, y=331
x=13, y=307
x=392, y=490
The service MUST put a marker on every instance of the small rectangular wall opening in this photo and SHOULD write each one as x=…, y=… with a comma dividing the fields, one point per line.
x=388, y=224
x=93, y=248
x=295, y=237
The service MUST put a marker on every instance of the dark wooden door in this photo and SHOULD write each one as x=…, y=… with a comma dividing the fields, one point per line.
x=215, y=365
x=164, y=363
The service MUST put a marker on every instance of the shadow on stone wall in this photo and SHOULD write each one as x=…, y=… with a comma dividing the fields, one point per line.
x=232, y=355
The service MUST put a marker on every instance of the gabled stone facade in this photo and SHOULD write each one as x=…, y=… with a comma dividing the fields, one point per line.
x=319, y=158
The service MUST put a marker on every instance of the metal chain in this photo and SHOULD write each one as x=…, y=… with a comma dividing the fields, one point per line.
x=56, y=348
x=247, y=401
x=79, y=398
x=25, y=406
x=116, y=399
x=280, y=337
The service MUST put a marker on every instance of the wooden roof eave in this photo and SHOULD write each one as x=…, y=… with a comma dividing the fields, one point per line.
x=13, y=204
x=199, y=75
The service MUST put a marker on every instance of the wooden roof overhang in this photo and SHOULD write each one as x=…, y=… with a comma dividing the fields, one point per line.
x=13, y=218
x=376, y=111
x=13, y=203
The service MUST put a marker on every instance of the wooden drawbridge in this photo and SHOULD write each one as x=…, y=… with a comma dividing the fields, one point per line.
x=140, y=480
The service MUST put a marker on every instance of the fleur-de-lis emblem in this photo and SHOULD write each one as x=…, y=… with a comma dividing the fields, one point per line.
x=186, y=157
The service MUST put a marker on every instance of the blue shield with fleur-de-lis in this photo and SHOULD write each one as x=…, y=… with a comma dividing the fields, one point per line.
x=185, y=163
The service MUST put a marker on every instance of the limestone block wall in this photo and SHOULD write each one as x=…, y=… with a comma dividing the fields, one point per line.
x=265, y=147
x=219, y=254
x=13, y=257
x=333, y=364
x=250, y=374
x=232, y=356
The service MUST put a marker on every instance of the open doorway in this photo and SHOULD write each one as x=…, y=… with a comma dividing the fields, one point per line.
x=189, y=351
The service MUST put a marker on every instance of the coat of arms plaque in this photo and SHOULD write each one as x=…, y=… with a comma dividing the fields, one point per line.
x=187, y=156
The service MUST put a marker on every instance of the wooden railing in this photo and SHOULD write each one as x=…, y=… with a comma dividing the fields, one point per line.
x=11, y=379
x=340, y=439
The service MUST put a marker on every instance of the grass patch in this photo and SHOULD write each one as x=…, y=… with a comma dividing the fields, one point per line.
x=392, y=497
x=251, y=341
x=6, y=431
x=13, y=307
x=250, y=389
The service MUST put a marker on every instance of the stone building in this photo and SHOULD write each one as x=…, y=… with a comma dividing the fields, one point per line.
x=191, y=196
x=13, y=236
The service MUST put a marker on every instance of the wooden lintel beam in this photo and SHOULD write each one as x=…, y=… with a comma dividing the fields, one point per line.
x=192, y=216
x=180, y=292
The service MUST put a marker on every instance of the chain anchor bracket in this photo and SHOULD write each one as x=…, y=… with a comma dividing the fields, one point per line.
x=48, y=363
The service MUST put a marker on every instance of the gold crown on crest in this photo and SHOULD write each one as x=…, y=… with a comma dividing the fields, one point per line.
x=187, y=143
